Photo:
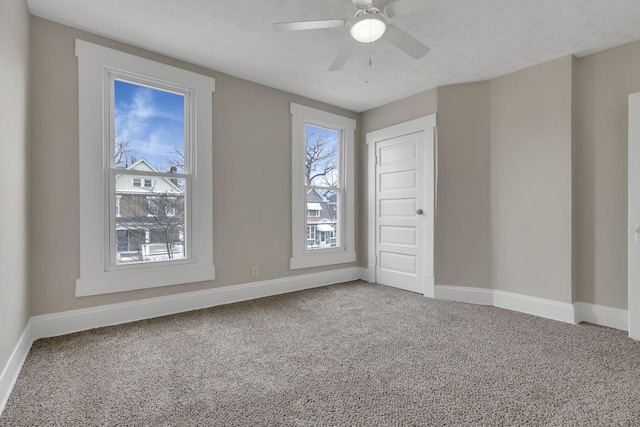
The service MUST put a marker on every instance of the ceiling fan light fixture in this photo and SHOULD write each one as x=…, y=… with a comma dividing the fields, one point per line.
x=368, y=27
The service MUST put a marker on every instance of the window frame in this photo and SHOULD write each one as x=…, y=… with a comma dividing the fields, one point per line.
x=97, y=66
x=302, y=257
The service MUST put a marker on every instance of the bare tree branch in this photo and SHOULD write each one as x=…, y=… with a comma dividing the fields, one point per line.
x=321, y=160
x=175, y=157
x=124, y=156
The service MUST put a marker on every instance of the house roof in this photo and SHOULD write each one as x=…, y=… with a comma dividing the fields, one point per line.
x=162, y=185
x=317, y=202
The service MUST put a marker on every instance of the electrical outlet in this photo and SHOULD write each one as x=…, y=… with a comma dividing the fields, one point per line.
x=255, y=272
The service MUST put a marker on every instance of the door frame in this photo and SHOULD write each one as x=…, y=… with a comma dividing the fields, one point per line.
x=633, y=251
x=427, y=124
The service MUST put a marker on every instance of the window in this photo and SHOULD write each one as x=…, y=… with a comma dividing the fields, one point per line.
x=322, y=188
x=136, y=182
x=170, y=205
x=142, y=203
x=314, y=209
x=153, y=206
x=311, y=233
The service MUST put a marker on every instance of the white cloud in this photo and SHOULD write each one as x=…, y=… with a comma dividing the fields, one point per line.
x=148, y=128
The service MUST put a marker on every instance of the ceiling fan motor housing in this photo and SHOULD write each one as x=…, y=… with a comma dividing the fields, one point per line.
x=369, y=25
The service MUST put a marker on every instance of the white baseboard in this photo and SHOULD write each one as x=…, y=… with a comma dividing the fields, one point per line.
x=464, y=294
x=549, y=309
x=600, y=315
x=571, y=313
x=546, y=308
x=12, y=369
x=49, y=325
x=371, y=273
x=80, y=320
x=364, y=274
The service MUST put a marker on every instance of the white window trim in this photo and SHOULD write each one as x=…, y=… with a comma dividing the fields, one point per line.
x=302, y=257
x=95, y=277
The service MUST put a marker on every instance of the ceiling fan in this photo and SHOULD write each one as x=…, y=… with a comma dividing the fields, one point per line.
x=369, y=23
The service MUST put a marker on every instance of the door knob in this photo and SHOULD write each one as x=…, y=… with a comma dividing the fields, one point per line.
x=419, y=211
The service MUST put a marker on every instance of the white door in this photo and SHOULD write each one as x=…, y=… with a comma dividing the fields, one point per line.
x=634, y=216
x=404, y=205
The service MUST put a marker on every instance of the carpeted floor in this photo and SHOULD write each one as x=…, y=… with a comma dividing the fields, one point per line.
x=350, y=354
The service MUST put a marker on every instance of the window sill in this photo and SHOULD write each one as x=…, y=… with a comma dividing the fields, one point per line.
x=109, y=282
x=318, y=259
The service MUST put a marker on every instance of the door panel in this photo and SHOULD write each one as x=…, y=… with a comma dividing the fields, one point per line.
x=399, y=194
x=397, y=153
x=398, y=235
x=398, y=208
x=401, y=180
x=398, y=263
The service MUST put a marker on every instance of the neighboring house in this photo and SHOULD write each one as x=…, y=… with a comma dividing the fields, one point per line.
x=149, y=216
x=322, y=222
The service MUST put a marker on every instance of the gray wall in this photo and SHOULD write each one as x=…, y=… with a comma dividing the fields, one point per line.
x=531, y=181
x=251, y=172
x=463, y=221
x=14, y=77
x=603, y=83
x=504, y=209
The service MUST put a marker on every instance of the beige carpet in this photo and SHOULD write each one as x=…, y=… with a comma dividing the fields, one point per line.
x=350, y=354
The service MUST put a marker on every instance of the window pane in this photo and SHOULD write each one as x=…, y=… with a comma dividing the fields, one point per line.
x=151, y=226
x=322, y=156
x=149, y=126
x=322, y=230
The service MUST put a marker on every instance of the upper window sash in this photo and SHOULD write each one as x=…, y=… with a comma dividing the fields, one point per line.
x=111, y=75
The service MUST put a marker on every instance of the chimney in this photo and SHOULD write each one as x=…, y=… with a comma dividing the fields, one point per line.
x=173, y=169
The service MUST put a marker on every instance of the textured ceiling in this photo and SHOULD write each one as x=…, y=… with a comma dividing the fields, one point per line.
x=470, y=40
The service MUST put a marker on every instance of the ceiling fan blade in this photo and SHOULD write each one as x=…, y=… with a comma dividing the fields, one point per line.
x=405, y=42
x=342, y=58
x=404, y=7
x=309, y=25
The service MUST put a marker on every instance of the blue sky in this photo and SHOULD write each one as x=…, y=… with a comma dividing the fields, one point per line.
x=152, y=120
x=332, y=138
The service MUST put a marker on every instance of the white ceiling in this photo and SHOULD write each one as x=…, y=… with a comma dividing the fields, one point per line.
x=470, y=40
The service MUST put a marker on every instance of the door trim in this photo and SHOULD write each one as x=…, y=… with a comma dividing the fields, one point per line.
x=633, y=248
x=428, y=125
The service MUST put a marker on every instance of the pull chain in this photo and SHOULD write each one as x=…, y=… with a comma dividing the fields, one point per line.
x=368, y=67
